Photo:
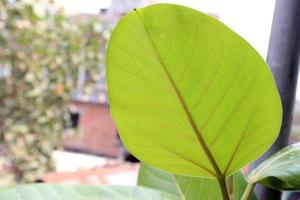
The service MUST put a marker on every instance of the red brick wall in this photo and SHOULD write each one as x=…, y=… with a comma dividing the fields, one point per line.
x=97, y=131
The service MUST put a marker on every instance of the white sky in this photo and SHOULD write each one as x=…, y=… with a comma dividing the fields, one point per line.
x=251, y=19
x=83, y=6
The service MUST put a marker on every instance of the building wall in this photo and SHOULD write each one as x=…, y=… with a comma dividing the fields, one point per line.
x=97, y=131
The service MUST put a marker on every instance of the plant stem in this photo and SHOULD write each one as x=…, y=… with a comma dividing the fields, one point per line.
x=248, y=191
x=229, y=183
x=223, y=187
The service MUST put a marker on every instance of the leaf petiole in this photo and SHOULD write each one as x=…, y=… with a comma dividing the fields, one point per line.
x=223, y=187
x=248, y=191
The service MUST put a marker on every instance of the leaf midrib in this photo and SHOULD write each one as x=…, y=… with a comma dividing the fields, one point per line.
x=198, y=134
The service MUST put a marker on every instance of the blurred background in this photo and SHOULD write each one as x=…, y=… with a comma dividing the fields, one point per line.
x=55, y=124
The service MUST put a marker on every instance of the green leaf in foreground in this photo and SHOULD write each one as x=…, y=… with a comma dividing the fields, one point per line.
x=81, y=192
x=281, y=171
x=239, y=186
x=158, y=179
x=188, y=95
x=188, y=188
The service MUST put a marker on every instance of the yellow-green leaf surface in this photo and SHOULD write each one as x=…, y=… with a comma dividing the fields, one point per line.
x=184, y=187
x=188, y=95
x=81, y=192
x=187, y=187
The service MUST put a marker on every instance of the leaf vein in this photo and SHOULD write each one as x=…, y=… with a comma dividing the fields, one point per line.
x=234, y=110
x=212, y=77
x=184, y=68
x=225, y=91
x=236, y=149
x=170, y=37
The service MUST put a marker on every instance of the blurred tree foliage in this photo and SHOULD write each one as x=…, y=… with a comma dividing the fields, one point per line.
x=40, y=54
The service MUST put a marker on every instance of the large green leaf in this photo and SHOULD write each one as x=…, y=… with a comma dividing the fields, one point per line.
x=281, y=171
x=189, y=188
x=188, y=95
x=81, y=192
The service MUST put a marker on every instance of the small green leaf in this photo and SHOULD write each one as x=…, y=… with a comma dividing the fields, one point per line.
x=188, y=95
x=81, y=192
x=281, y=171
x=154, y=178
x=188, y=188
x=239, y=187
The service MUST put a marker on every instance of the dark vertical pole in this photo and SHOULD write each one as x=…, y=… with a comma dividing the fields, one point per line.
x=283, y=59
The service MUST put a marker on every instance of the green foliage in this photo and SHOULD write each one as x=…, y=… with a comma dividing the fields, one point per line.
x=40, y=52
x=189, y=188
x=281, y=171
x=188, y=95
x=81, y=192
